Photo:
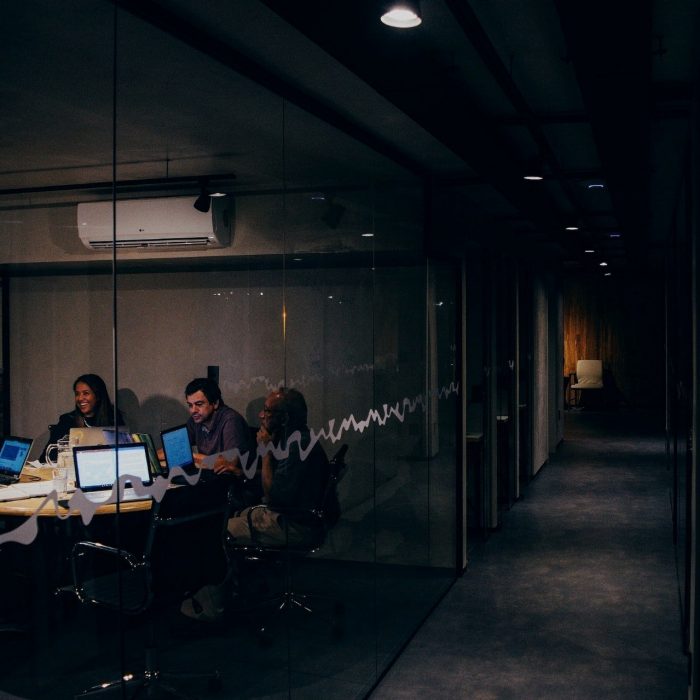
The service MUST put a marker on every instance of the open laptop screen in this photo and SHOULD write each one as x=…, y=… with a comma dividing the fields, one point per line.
x=96, y=466
x=13, y=455
x=177, y=448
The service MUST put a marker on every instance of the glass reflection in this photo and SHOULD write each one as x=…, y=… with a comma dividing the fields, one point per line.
x=323, y=287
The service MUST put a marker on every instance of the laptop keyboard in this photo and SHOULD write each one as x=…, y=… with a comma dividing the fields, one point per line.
x=103, y=496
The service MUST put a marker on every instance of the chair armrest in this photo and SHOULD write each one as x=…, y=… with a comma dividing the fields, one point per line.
x=110, y=577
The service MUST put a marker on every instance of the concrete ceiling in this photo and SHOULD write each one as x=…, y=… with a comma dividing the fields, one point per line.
x=318, y=93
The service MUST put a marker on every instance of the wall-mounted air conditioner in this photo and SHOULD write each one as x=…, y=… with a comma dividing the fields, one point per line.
x=166, y=222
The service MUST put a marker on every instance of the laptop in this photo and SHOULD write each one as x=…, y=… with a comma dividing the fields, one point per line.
x=99, y=436
x=13, y=457
x=177, y=449
x=96, y=469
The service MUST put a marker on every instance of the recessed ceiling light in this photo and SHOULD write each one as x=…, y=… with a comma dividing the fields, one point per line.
x=603, y=264
x=596, y=185
x=572, y=228
x=608, y=274
x=297, y=259
x=589, y=250
x=615, y=234
x=318, y=197
x=533, y=178
x=402, y=14
x=367, y=235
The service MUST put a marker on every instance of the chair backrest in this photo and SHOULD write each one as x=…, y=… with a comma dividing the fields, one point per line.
x=589, y=373
x=115, y=578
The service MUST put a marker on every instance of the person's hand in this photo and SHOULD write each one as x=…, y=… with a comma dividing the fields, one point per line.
x=224, y=466
x=263, y=436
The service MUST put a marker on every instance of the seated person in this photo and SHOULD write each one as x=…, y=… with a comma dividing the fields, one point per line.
x=93, y=408
x=291, y=485
x=214, y=427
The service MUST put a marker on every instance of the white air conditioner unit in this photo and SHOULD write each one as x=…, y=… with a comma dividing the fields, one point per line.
x=166, y=222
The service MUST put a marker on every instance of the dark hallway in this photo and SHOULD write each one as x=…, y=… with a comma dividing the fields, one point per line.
x=577, y=595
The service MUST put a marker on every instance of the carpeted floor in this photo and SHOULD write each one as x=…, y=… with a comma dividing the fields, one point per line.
x=576, y=596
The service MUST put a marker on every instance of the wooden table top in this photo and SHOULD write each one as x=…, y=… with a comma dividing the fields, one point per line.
x=30, y=506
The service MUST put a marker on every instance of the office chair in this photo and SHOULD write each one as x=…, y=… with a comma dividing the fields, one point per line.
x=325, y=516
x=589, y=376
x=130, y=583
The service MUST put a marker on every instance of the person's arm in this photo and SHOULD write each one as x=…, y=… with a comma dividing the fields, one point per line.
x=267, y=468
x=234, y=435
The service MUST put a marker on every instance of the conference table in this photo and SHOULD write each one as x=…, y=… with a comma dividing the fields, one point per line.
x=28, y=507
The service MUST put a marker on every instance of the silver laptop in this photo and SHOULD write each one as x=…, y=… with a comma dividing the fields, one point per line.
x=99, y=436
x=97, y=468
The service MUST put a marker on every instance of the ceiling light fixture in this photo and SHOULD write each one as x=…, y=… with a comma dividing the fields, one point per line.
x=203, y=202
x=401, y=14
x=603, y=264
x=572, y=228
x=589, y=250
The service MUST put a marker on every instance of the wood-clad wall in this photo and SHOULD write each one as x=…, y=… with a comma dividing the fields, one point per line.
x=619, y=320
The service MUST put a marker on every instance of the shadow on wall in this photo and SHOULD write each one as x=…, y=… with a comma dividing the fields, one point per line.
x=252, y=410
x=156, y=413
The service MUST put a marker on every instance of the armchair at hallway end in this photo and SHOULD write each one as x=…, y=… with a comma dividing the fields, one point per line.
x=136, y=584
x=325, y=515
x=589, y=376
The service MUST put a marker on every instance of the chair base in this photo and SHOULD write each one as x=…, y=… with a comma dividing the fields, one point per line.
x=152, y=683
x=288, y=602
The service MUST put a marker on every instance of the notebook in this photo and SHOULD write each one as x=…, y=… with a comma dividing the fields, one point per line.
x=28, y=489
x=156, y=467
x=177, y=449
x=96, y=469
x=13, y=457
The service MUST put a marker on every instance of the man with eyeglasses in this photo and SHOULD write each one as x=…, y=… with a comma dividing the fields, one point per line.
x=292, y=480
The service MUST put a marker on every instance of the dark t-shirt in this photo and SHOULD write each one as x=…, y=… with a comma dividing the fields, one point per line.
x=299, y=483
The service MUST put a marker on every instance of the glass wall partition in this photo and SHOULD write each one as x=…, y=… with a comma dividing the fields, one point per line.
x=314, y=278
